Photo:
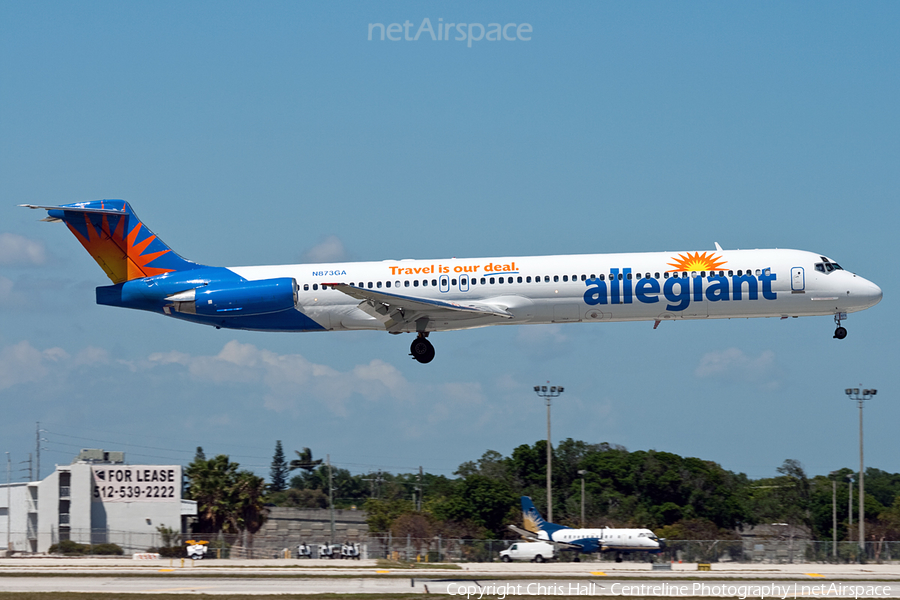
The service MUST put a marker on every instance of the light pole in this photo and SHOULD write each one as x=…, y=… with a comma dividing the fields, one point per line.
x=548, y=394
x=582, y=473
x=854, y=394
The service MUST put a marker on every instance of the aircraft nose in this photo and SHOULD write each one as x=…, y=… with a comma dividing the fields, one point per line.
x=871, y=292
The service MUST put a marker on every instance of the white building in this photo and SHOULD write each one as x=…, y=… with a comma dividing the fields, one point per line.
x=95, y=500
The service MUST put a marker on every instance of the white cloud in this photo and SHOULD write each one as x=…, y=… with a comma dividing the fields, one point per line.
x=290, y=379
x=733, y=365
x=287, y=384
x=8, y=294
x=23, y=363
x=17, y=250
x=329, y=249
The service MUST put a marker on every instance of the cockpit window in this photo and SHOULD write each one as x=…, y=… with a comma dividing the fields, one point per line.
x=826, y=266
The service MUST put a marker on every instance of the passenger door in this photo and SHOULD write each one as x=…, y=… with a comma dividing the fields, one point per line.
x=798, y=279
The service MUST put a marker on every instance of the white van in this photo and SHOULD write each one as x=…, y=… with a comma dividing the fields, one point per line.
x=533, y=551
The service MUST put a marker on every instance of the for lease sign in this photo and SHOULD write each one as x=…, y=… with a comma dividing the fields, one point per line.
x=139, y=483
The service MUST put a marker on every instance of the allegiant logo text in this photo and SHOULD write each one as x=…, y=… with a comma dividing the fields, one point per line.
x=679, y=292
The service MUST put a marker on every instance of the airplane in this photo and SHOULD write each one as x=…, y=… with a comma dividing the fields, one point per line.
x=426, y=296
x=620, y=541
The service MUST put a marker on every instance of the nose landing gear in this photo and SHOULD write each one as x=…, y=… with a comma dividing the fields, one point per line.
x=421, y=349
x=840, y=332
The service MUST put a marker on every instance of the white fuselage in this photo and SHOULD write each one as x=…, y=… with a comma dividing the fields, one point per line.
x=606, y=539
x=653, y=286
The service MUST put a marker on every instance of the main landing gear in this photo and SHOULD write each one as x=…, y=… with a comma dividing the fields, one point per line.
x=421, y=349
x=839, y=333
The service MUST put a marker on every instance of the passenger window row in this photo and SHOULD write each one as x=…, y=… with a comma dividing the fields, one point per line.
x=465, y=281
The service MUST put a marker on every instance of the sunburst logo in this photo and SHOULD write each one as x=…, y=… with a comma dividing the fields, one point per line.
x=122, y=256
x=696, y=262
x=530, y=522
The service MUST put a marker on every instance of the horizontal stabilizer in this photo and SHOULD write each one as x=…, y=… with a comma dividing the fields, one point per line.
x=82, y=209
x=117, y=239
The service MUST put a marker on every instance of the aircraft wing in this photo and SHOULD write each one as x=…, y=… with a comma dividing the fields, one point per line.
x=399, y=312
x=529, y=535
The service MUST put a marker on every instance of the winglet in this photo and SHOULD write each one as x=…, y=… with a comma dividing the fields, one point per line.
x=718, y=247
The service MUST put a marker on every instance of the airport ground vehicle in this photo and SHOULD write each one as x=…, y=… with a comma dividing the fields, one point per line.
x=532, y=551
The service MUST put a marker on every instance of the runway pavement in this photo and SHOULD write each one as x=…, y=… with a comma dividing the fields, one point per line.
x=105, y=576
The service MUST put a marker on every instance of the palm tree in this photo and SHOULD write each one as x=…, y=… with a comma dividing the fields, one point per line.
x=249, y=511
x=210, y=485
x=305, y=461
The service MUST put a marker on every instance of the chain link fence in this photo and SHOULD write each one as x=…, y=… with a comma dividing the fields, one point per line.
x=437, y=549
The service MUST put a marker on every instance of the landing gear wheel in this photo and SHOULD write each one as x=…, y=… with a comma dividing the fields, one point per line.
x=618, y=558
x=422, y=350
x=839, y=333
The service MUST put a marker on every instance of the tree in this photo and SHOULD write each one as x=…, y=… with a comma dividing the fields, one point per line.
x=227, y=499
x=381, y=514
x=305, y=461
x=248, y=513
x=279, y=470
x=209, y=483
x=483, y=501
x=794, y=494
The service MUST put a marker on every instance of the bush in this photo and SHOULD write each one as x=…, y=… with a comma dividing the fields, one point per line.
x=70, y=548
x=107, y=549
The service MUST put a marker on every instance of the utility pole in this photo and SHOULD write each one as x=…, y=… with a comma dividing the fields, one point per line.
x=375, y=483
x=419, y=491
x=833, y=476
x=850, y=507
x=330, y=496
x=29, y=468
x=582, y=473
x=37, y=450
x=8, y=508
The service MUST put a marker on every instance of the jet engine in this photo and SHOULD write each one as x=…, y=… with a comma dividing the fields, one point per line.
x=237, y=299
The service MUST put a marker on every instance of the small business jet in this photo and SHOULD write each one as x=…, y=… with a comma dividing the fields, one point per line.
x=620, y=541
x=424, y=296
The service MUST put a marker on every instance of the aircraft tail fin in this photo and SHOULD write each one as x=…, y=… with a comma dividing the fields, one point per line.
x=117, y=239
x=533, y=520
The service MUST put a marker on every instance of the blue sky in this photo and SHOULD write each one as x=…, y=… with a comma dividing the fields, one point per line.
x=273, y=132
